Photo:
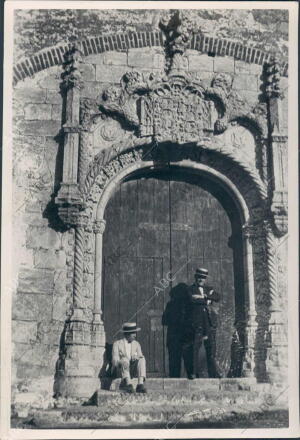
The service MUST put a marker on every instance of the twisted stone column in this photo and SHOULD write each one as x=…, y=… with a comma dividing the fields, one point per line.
x=272, y=268
x=276, y=343
x=84, y=156
x=99, y=227
x=251, y=324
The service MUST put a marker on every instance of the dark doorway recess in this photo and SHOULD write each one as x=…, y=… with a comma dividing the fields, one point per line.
x=171, y=221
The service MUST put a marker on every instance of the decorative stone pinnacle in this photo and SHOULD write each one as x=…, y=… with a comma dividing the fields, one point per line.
x=72, y=75
x=273, y=79
x=178, y=30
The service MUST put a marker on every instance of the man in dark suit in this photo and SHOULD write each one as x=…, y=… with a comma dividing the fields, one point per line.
x=200, y=324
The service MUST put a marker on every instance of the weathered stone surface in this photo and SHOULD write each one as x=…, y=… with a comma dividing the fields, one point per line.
x=224, y=64
x=115, y=58
x=36, y=280
x=56, y=112
x=53, y=97
x=42, y=237
x=32, y=95
x=88, y=72
x=24, y=331
x=32, y=306
x=106, y=74
x=34, y=371
x=38, y=112
x=50, y=78
x=94, y=59
x=59, y=307
x=201, y=62
x=49, y=259
x=34, y=217
x=250, y=96
x=146, y=58
x=245, y=82
x=250, y=68
x=93, y=89
x=39, y=127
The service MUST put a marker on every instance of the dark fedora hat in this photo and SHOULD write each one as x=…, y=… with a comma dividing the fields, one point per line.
x=201, y=272
x=130, y=327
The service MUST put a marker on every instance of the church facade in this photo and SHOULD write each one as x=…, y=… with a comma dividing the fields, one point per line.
x=138, y=157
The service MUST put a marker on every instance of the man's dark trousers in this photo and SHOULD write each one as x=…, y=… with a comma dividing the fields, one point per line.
x=191, y=350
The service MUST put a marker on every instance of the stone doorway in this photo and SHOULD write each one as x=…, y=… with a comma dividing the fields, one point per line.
x=162, y=224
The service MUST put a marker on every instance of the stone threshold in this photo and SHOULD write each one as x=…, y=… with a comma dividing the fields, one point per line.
x=175, y=384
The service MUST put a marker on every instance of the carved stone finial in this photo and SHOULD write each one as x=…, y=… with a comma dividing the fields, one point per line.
x=273, y=79
x=178, y=30
x=72, y=75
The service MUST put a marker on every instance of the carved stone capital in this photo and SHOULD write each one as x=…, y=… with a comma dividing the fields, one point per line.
x=69, y=202
x=248, y=231
x=82, y=219
x=279, y=209
x=99, y=226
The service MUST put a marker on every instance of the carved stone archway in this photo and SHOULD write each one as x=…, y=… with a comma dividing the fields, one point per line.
x=259, y=191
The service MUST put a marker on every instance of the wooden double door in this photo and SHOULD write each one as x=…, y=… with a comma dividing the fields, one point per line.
x=161, y=226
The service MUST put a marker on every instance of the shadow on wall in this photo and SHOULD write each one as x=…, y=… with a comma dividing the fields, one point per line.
x=59, y=377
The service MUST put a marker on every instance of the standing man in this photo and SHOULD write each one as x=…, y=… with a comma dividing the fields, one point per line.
x=200, y=325
x=128, y=359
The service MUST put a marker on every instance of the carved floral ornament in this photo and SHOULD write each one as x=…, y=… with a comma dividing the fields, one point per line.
x=179, y=107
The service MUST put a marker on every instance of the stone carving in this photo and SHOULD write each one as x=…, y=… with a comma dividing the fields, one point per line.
x=89, y=110
x=81, y=222
x=272, y=265
x=104, y=167
x=179, y=107
x=72, y=76
x=236, y=108
x=279, y=209
x=174, y=108
x=178, y=29
x=273, y=79
x=110, y=130
x=279, y=147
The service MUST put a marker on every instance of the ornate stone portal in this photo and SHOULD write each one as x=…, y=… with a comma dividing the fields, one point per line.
x=175, y=120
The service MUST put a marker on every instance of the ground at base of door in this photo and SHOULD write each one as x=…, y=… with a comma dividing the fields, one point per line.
x=260, y=407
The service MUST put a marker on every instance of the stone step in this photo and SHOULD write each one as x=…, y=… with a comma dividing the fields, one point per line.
x=169, y=414
x=165, y=406
x=155, y=384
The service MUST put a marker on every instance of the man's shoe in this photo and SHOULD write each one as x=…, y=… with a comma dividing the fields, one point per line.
x=191, y=376
x=140, y=388
x=129, y=388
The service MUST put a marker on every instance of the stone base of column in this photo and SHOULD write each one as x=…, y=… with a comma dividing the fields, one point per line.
x=277, y=350
x=83, y=357
x=80, y=387
x=249, y=357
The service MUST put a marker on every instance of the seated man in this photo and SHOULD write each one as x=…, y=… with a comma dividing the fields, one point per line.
x=128, y=359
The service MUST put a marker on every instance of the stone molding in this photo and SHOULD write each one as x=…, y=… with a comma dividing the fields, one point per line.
x=107, y=163
x=123, y=41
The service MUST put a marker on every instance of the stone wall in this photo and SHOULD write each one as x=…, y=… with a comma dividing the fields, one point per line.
x=43, y=248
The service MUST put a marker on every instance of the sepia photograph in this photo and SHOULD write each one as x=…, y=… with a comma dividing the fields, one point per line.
x=149, y=222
